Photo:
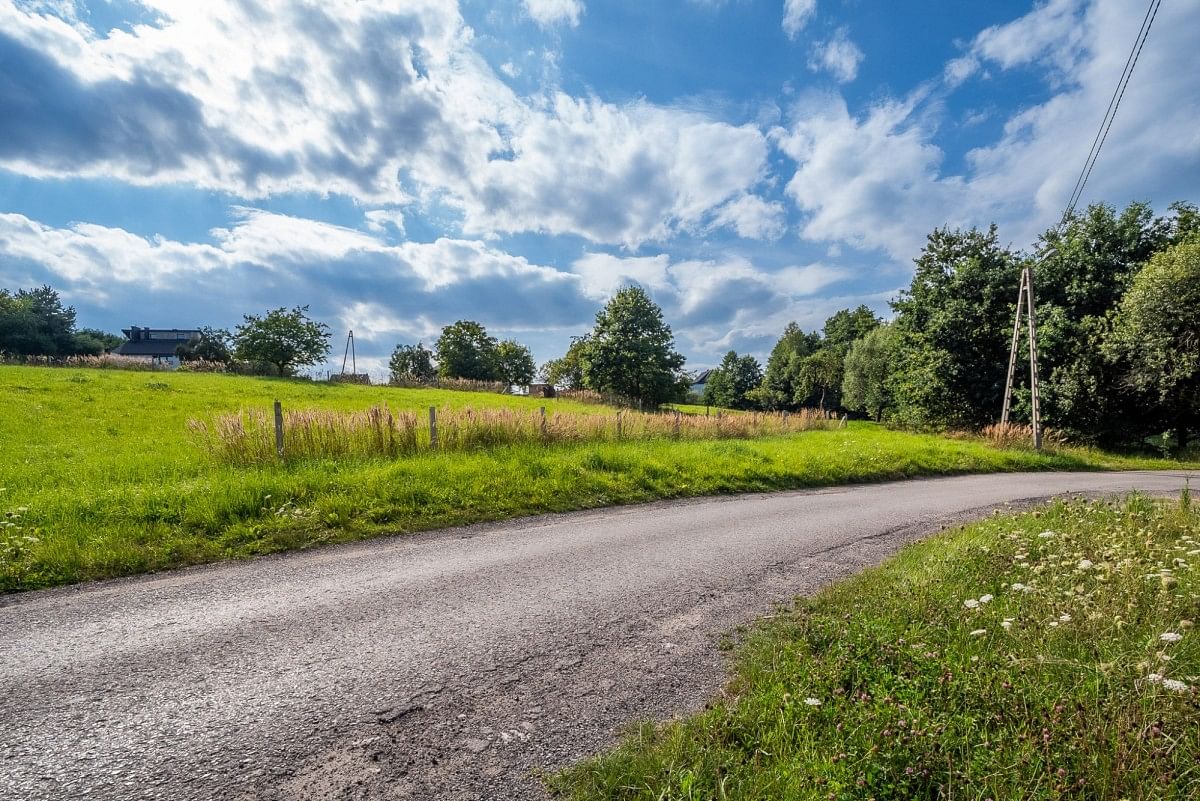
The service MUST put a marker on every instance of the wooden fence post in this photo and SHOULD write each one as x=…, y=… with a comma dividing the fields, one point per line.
x=542, y=410
x=279, y=429
x=678, y=416
x=433, y=438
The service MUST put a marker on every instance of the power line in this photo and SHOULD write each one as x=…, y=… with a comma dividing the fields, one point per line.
x=1025, y=291
x=1110, y=114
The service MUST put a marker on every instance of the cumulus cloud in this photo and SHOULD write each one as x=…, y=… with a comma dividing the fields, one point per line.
x=751, y=217
x=554, y=12
x=838, y=56
x=877, y=179
x=712, y=303
x=796, y=14
x=263, y=260
x=365, y=99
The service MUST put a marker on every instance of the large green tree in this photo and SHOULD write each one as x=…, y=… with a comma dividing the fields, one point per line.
x=954, y=325
x=34, y=322
x=286, y=338
x=778, y=389
x=867, y=372
x=466, y=350
x=1083, y=269
x=631, y=351
x=516, y=365
x=412, y=363
x=732, y=383
x=1157, y=334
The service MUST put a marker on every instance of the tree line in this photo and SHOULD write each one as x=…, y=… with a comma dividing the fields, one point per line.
x=1118, y=311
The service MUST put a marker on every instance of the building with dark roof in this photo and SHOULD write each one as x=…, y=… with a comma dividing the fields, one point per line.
x=157, y=345
x=699, y=382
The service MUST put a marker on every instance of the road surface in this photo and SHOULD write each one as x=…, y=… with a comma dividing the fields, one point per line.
x=451, y=665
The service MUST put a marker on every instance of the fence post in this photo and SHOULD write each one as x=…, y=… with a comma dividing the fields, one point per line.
x=279, y=429
x=433, y=439
x=542, y=410
x=677, y=417
x=619, y=424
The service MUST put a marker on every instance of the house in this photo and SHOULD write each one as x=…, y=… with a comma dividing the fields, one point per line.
x=699, y=382
x=155, y=344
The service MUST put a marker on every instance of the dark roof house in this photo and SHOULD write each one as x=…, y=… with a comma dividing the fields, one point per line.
x=155, y=344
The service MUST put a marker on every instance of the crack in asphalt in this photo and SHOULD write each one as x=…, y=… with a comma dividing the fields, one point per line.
x=463, y=664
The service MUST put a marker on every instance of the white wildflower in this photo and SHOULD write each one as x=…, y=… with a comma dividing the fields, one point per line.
x=1084, y=564
x=1175, y=686
x=1046, y=535
x=1018, y=586
x=1006, y=624
x=1064, y=618
x=978, y=632
x=983, y=599
x=812, y=701
x=971, y=603
x=1170, y=636
x=1154, y=678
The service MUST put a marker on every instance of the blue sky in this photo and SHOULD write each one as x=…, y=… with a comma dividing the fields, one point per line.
x=401, y=164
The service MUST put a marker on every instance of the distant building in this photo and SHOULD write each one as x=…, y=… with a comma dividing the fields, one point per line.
x=699, y=382
x=541, y=391
x=155, y=344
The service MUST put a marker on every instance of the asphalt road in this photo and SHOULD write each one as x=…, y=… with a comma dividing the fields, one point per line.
x=451, y=665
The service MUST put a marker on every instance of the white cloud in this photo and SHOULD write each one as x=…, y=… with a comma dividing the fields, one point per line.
x=378, y=220
x=838, y=56
x=751, y=217
x=796, y=14
x=254, y=102
x=712, y=303
x=554, y=12
x=879, y=180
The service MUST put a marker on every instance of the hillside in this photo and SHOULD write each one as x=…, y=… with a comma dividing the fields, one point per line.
x=101, y=477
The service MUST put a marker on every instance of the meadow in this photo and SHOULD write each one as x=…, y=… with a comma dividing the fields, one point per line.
x=101, y=475
x=1048, y=655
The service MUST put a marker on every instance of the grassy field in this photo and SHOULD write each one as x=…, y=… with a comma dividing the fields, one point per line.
x=1049, y=655
x=100, y=476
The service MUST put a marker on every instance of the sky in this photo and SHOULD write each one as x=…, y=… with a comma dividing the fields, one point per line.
x=398, y=165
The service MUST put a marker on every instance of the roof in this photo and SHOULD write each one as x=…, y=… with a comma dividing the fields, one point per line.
x=702, y=377
x=150, y=347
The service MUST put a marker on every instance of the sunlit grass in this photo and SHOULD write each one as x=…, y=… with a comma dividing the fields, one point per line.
x=114, y=483
x=1044, y=656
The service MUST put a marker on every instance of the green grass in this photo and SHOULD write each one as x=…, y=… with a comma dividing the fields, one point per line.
x=101, y=478
x=891, y=686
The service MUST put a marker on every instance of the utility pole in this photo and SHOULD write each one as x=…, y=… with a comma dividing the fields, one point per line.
x=349, y=353
x=1025, y=301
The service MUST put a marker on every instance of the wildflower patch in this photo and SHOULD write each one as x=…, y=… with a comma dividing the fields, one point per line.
x=1021, y=657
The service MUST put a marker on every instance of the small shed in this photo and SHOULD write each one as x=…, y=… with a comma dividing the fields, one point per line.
x=541, y=391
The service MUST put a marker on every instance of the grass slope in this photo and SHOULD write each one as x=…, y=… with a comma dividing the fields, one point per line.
x=99, y=478
x=994, y=662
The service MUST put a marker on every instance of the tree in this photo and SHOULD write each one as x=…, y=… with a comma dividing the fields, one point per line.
x=283, y=338
x=778, y=388
x=631, y=351
x=93, y=341
x=730, y=385
x=213, y=345
x=34, y=322
x=820, y=378
x=1157, y=332
x=412, y=363
x=867, y=372
x=954, y=326
x=465, y=350
x=845, y=326
x=516, y=363
x=1084, y=268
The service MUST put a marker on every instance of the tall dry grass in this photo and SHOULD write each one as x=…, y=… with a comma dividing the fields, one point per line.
x=248, y=437
x=1015, y=435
